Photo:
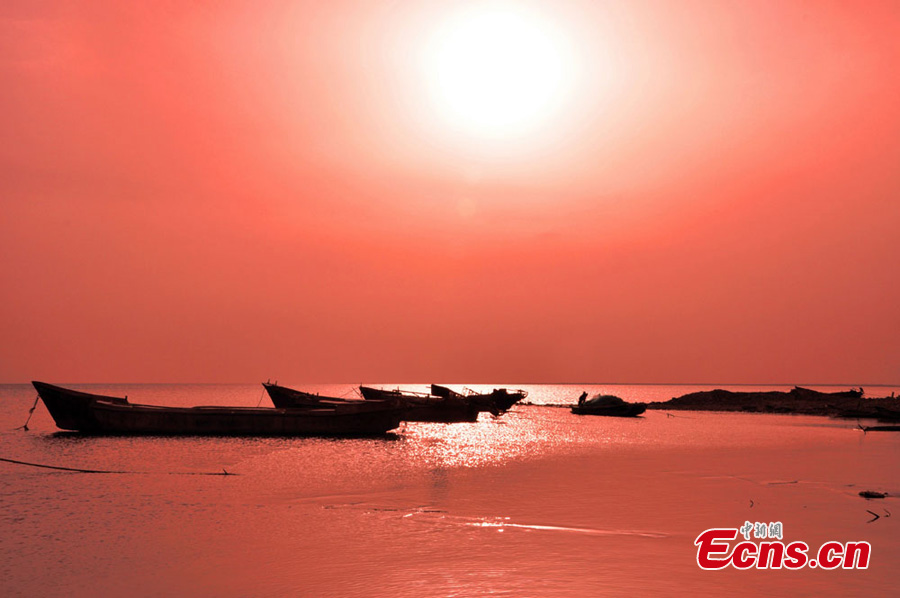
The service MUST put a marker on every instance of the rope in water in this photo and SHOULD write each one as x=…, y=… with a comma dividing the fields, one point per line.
x=78, y=470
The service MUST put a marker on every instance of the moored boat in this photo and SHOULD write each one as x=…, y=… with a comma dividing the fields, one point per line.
x=99, y=414
x=609, y=405
x=498, y=401
x=425, y=407
x=291, y=398
x=886, y=428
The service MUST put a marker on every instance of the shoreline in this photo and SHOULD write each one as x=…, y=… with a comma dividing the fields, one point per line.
x=850, y=404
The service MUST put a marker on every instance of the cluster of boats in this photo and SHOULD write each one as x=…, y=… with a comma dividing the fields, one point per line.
x=442, y=404
x=296, y=413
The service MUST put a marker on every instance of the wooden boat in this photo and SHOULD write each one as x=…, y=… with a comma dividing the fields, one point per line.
x=290, y=398
x=425, y=407
x=609, y=405
x=99, y=414
x=887, y=415
x=497, y=402
x=853, y=393
x=885, y=428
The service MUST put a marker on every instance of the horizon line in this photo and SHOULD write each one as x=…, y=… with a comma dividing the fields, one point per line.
x=854, y=385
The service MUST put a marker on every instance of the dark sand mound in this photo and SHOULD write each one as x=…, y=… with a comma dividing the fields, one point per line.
x=849, y=403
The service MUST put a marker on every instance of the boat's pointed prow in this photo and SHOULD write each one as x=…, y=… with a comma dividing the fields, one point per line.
x=41, y=385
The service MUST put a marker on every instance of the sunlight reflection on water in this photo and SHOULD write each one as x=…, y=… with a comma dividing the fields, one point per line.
x=490, y=441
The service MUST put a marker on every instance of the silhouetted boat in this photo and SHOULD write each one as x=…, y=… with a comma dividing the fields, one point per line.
x=887, y=415
x=853, y=393
x=98, y=414
x=290, y=398
x=498, y=401
x=887, y=428
x=609, y=405
x=424, y=407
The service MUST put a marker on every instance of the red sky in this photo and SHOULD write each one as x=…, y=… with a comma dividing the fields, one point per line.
x=238, y=191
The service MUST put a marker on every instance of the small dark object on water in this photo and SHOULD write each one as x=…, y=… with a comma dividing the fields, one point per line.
x=608, y=405
x=873, y=494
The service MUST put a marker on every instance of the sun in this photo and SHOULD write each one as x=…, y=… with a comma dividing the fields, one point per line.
x=498, y=71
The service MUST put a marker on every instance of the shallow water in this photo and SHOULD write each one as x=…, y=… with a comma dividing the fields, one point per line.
x=539, y=502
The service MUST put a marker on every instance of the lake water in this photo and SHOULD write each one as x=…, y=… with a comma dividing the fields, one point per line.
x=539, y=502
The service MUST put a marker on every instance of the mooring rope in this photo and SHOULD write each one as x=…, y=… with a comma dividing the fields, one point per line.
x=78, y=470
x=30, y=413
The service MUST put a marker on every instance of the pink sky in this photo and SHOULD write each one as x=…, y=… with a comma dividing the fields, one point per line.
x=238, y=191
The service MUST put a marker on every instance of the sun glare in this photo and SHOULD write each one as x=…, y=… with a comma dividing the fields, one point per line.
x=498, y=72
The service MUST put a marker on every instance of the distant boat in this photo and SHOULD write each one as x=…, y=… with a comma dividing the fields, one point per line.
x=99, y=414
x=498, y=401
x=853, y=393
x=609, y=405
x=290, y=398
x=887, y=415
x=886, y=428
x=425, y=407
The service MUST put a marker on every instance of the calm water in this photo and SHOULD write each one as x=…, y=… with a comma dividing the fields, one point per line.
x=539, y=502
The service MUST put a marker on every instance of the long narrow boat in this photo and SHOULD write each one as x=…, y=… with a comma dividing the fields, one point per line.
x=99, y=414
x=885, y=428
x=290, y=398
x=424, y=407
x=498, y=401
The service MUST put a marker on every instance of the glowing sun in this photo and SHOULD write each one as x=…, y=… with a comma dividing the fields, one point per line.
x=497, y=71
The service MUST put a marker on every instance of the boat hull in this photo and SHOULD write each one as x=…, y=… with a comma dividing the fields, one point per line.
x=290, y=398
x=497, y=402
x=97, y=414
x=427, y=408
x=627, y=410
